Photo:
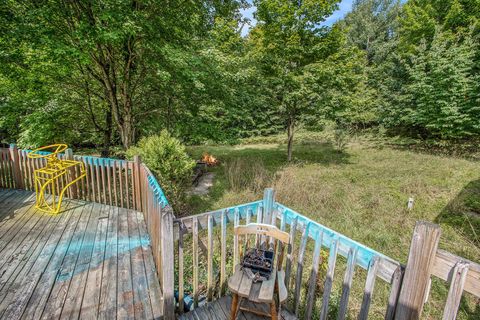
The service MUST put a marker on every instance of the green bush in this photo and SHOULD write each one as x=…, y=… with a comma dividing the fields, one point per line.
x=167, y=159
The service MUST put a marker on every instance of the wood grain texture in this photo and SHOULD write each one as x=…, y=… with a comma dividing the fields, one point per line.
x=65, y=266
x=420, y=263
x=457, y=283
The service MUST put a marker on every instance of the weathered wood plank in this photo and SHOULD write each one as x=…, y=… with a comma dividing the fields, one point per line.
x=150, y=271
x=10, y=280
x=394, y=293
x=210, y=283
x=125, y=309
x=236, y=253
x=195, y=261
x=368, y=291
x=223, y=254
x=457, y=283
x=327, y=288
x=91, y=296
x=58, y=294
x=445, y=263
x=313, y=275
x=107, y=308
x=74, y=296
x=34, y=289
x=347, y=283
x=299, y=275
x=420, y=263
x=141, y=298
x=290, y=252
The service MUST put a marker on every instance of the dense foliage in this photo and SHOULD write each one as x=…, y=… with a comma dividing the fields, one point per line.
x=168, y=160
x=104, y=74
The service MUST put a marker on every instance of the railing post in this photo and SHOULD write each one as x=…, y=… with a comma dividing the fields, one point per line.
x=137, y=161
x=268, y=201
x=17, y=174
x=167, y=263
x=417, y=272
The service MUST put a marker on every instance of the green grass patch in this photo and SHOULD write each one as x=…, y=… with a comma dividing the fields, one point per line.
x=362, y=192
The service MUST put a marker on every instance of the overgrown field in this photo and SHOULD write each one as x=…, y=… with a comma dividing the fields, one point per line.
x=361, y=191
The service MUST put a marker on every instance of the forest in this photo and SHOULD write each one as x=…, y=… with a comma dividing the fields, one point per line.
x=104, y=74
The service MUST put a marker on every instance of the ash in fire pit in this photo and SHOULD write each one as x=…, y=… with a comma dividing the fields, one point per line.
x=260, y=262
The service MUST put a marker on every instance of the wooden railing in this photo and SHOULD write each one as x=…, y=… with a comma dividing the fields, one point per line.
x=205, y=250
x=121, y=183
x=207, y=242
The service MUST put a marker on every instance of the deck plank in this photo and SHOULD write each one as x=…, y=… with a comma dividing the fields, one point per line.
x=74, y=297
x=125, y=287
x=65, y=265
x=141, y=297
x=107, y=308
x=58, y=293
x=91, y=295
x=220, y=310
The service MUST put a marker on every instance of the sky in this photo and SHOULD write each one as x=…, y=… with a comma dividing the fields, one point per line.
x=344, y=7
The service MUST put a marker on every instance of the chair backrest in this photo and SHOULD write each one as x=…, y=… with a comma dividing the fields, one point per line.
x=265, y=233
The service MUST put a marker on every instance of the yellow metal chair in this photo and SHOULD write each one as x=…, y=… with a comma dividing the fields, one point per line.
x=55, y=177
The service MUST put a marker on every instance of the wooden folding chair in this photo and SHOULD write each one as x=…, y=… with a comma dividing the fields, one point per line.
x=268, y=291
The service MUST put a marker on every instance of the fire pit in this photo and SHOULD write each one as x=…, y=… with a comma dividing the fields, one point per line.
x=259, y=262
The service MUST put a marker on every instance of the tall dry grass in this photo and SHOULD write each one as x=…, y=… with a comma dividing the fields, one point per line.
x=247, y=174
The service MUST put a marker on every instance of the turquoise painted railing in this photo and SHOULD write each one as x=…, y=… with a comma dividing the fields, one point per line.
x=308, y=239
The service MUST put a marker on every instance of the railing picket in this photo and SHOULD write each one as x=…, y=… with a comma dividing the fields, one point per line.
x=327, y=288
x=236, y=253
x=115, y=182
x=290, y=255
x=105, y=187
x=394, y=293
x=459, y=275
x=195, y=261
x=271, y=240
x=223, y=239
x=127, y=189
x=298, y=277
x=108, y=167
x=259, y=220
x=368, y=291
x=98, y=179
x=120, y=181
x=133, y=184
x=347, y=282
x=210, y=258
x=313, y=275
x=180, y=269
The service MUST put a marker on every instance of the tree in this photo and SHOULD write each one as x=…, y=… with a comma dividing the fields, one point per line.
x=286, y=39
x=111, y=52
x=440, y=98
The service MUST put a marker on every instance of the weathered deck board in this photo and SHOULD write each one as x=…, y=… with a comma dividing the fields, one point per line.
x=65, y=265
x=220, y=310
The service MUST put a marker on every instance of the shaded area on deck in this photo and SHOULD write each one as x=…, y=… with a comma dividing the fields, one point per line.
x=220, y=310
x=89, y=261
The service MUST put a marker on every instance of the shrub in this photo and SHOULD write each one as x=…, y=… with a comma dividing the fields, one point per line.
x=167, y=159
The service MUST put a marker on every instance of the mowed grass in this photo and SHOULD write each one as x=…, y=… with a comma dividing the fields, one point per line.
x=362, y=192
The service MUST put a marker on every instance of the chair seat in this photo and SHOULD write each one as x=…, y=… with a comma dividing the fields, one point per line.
x=259, y=292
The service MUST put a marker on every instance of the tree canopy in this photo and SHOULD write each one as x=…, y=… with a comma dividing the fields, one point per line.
x=105, y=74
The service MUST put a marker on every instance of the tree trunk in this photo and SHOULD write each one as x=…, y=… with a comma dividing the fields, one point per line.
x=290, y=130
x=107, y=134
x=127, y=131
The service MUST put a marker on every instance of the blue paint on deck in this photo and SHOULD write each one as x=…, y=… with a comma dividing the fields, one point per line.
x=124, y=245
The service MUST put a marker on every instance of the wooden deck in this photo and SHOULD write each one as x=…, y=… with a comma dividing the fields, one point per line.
x=91, y=261
x=220, y=310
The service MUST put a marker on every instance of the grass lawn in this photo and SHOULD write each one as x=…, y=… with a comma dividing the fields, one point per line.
x=361, y=192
